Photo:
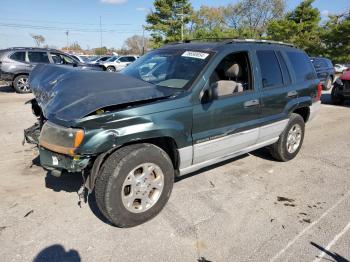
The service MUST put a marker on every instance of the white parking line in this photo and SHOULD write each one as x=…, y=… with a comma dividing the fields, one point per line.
x=290, y=243
x=335, y=239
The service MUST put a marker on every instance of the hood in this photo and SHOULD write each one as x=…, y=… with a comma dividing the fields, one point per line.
x=68, y=94
x=346, y=75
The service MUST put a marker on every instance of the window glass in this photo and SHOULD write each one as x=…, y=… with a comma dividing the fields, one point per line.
x=131, y=59
x=19, y=56
x=286, y=76
x=168, y=68
x=61, y=59
x=232, y=76
x=270, y=70
x=302, y=66
x=38, y=57
x=124, y=59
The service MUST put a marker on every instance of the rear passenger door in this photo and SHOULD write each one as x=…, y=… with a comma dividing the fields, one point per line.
x=278, y=93
x=38, y=57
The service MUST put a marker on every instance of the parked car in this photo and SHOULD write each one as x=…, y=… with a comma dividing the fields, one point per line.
x=205, y=103
x=16, y=64
x=341, y=88
x=325, y=71
x=117, y=63
x=340, y=68
x=98, y=60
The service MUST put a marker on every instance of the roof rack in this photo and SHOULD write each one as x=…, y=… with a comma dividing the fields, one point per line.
x=261, y=41
x=230, y=41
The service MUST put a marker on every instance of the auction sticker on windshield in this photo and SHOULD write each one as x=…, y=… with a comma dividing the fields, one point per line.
x=193, y=54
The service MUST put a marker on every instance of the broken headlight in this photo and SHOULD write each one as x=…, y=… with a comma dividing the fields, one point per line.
x=60, y=139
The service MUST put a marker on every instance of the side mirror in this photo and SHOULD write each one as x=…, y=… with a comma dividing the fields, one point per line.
x=209, y=93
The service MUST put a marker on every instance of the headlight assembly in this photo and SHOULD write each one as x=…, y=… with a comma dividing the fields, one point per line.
x=60, y=139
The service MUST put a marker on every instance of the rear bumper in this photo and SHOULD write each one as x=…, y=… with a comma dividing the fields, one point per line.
x=314, y=108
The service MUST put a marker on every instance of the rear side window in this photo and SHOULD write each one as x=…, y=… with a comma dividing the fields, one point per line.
x=38, y=57
x=271, y=74
x=124, y=59
x=286, y=76
x=302, y=66
x=19, y=56
x=131, y=59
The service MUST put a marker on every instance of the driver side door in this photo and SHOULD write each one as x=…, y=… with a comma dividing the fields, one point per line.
x=227, y=124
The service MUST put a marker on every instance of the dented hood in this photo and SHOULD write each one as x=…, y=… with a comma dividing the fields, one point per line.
x=69, y=94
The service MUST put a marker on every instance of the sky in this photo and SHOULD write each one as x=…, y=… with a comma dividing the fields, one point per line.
x=120, y=19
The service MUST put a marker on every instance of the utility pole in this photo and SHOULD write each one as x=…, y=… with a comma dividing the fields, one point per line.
x=143, y=39
x=67, y=34
x=101, y=34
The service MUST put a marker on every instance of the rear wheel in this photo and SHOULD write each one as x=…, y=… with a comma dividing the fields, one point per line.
x=290, y=141
x=134, y=185
x=21, y=85
x=110, y=69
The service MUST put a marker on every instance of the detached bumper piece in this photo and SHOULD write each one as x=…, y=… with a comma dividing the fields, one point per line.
x=31, y=134
x=54, y=161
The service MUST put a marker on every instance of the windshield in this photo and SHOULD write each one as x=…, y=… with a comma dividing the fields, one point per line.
x=112, y=59
x=169, y=68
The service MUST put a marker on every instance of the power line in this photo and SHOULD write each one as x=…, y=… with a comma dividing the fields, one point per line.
x=54, y=28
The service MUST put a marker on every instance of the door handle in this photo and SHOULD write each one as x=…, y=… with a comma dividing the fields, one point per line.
x=292, y=94
x=252, y=103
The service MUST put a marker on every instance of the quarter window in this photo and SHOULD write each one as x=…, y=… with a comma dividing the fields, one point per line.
x=271, y=74
x=19, y=56
x=302, y=66
x=38, y=57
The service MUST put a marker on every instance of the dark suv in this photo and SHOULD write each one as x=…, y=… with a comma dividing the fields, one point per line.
x=325, y=71
x=16, y=64
x=173, y=111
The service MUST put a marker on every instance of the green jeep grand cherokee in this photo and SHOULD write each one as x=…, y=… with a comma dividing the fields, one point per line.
x=176, y=110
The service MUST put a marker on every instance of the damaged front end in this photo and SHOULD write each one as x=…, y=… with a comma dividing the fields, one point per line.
x=79, y=116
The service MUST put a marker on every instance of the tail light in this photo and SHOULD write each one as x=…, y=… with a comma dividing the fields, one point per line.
x=319, y=91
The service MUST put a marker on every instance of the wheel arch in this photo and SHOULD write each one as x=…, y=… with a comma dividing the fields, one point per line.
x=304, y=112
x=168, y=144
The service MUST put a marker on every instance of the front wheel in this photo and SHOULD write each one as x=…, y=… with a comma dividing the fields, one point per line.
x=134, y=185
x=290, y=141
x=21, y=85
x=336, y=98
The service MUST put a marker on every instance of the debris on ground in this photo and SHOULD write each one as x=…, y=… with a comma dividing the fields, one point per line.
x=2, y=228
x=211, y=183
x=284, y=199
x=306, y=220
x=302, y=213
x=289, y=205
x=31, y=211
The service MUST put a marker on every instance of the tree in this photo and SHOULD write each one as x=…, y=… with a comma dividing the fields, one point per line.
x=300, y=27
x=38, y=39
x=336, y=38
x=168, y=20
x=136, y=44
x=251, y=17
x=73, y=47
x=100, y=51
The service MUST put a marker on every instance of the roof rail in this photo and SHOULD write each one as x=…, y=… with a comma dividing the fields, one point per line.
x=261, y=41
x=226, y=40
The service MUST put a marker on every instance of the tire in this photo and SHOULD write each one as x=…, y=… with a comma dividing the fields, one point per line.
x=328, y=83
x=110, y=69
x=336, y=99
x=280, y=150
x=20, y=84
x=118, y=184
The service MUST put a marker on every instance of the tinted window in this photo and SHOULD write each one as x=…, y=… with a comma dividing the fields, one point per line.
x=270, y=70
x=38, y=57
x=131, y=59
x=62, y=59
x=286, y=76
x=124, y=59
x=301, y=65
x=19, y=56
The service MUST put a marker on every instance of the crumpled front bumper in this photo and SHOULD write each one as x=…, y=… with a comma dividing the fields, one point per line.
x=51, y=160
